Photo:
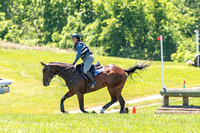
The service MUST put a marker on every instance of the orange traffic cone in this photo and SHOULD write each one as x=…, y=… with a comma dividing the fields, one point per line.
x=134, y=110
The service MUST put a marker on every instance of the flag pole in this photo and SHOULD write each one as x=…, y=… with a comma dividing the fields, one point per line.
x=165, y=100
x=161, y=47
x=163, y=86
x=197, y=41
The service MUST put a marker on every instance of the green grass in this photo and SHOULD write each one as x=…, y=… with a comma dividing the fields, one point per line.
x=31, y=107
x=143, y=121
x=28, y=95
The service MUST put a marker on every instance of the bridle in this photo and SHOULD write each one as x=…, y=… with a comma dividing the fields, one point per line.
x=61, y=82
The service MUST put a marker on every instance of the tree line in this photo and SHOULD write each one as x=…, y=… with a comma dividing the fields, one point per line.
x=125, y=28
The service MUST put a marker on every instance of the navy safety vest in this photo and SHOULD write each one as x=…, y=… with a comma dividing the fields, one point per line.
x=84, y=49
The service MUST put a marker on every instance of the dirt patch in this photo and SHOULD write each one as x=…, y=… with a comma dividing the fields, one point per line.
x=97, y=109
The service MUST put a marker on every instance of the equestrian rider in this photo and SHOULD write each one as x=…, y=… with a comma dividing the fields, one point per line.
x=85, y=54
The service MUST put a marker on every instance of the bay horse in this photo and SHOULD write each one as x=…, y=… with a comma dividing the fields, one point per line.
x=112, y=76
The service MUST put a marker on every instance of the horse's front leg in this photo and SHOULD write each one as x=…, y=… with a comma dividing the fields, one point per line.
x=81, y=102
x=67, y=95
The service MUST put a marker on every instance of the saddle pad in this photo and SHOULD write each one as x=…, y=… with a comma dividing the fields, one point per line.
x=97, y=71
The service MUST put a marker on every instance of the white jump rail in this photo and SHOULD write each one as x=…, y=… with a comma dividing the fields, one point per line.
x=4, y=85
x=180, y=92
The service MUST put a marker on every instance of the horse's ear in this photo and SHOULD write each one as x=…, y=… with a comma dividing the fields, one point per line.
x=43, y=64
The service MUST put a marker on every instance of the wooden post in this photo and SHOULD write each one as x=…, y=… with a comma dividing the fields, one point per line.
x=185, y=101
x=165, y=101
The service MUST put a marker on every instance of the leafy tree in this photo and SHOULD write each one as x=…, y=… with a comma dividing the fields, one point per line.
x=118, y=27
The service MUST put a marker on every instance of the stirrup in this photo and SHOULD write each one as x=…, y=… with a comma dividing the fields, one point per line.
x=93, y=84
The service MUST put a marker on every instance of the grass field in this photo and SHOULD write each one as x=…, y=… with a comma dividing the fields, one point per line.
x=143, y=121
x=31, y=107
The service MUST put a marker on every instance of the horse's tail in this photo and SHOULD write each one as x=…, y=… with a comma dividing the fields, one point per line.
x=140, y=66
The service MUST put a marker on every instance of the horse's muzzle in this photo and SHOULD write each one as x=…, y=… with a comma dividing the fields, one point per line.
x=45, y=83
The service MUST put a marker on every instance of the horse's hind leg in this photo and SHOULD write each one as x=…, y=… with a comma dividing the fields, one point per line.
x=113, y=100
x=122, y=103
x=67, y=95
x=112, y=93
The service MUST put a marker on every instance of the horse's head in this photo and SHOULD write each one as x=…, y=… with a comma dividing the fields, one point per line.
x=48, y=74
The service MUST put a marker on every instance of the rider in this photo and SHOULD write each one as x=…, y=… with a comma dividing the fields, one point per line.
x=86, y=55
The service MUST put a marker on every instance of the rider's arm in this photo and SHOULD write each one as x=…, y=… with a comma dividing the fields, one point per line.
x=78, y=55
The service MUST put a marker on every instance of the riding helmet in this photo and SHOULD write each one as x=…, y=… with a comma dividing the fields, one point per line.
x=76, y=36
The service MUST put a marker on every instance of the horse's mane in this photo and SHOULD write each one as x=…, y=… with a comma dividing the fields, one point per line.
x=59, y=63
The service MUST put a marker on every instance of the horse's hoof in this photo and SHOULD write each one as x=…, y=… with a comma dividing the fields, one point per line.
x=101, y=112
x=93, y=112
x=86, y=112
x=64, y=112
x=124, y=111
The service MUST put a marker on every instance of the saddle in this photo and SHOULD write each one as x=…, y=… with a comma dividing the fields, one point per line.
x=95, y=66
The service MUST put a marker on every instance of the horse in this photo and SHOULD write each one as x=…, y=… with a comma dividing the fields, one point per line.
x=112, y=77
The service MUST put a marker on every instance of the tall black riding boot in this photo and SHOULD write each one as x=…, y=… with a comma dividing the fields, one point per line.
x=93, y=83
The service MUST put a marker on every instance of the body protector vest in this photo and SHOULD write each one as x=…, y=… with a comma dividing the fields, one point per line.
x=84, y=49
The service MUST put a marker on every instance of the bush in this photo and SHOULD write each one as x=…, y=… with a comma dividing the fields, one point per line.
x=186, y=51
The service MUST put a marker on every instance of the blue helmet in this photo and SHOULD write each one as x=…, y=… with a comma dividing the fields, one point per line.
x=76, y=36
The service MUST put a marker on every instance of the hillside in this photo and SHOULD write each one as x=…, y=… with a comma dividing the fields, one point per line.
x=28, y=95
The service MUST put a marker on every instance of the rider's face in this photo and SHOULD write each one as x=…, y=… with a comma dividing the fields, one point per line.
x=74, y=40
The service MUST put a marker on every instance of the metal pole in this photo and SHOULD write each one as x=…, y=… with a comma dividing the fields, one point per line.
x=161, y=47
x=163, y=86
x=197, y=39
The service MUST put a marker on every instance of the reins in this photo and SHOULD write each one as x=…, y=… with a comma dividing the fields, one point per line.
x=61, y=82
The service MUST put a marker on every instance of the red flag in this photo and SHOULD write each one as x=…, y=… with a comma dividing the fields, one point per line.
x=158, y=38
